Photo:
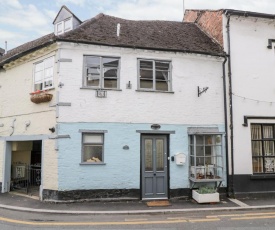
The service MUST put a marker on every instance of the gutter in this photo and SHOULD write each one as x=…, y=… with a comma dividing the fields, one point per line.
x=230, y=186
x=229, y=13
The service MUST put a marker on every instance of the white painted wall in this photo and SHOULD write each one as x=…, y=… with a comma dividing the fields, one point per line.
x=253, y=71
x=181, y=107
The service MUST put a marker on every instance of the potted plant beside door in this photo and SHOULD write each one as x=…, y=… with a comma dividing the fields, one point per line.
x=206, y=195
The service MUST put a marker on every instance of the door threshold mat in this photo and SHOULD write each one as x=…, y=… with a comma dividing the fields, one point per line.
x=158, y=203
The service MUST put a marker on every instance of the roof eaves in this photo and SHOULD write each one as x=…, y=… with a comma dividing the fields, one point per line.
x=216, y=54
x=21, y=54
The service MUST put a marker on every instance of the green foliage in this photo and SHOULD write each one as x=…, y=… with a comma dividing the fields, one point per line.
x=206, y=190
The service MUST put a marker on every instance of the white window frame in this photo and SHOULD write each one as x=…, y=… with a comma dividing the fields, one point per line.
x=92, y=143
x=101, y=74
x=169, y=80
x=208, y=172
x=62, y=24
x=44, y=77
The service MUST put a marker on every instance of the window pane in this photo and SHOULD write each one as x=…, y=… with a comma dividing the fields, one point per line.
x=146, y=64
x=162, y=75
x=48, y=63
x=256, y=148
x=48, y=83
x=93, y=138
x=218, y=140
x=110, y=73
x=59, y=28
x=110, y=62
x=268, y=148
x=199, y=140
x=148, y=155
x=146, y=84
x=161, y=85
x=257, y=165
x=92, y=153
x=208, y=140
x=93, y=72
x=110, y=83
x=269, y=165
x=208, y=151
x=38, y=86
x=93, y=82
x=256, y=132
x=93, y=61
x=268, y=131
x=38, y=76
x=146, y=74
x=68, y=24
x=160, y=154
x=162, y=66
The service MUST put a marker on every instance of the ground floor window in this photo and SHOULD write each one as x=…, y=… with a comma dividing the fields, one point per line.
x=206, y=161
x=262, y=145
x=92, y=147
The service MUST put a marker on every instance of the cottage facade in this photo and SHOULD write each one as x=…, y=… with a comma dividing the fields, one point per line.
x=247, y=38
x=137, y=110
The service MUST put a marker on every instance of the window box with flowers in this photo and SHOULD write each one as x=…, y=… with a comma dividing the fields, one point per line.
x=40, y=96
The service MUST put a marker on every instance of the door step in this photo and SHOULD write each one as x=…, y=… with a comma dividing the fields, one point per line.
x=158, y=203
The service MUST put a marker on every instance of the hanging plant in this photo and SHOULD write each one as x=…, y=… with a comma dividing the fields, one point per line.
x=40, y=96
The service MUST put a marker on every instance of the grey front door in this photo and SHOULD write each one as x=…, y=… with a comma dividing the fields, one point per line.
x=154, y=180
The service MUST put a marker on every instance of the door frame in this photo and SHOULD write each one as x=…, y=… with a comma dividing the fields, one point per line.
x=167, y=162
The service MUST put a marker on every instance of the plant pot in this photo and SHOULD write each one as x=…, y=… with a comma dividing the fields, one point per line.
x=41, y=97
x=206, y=198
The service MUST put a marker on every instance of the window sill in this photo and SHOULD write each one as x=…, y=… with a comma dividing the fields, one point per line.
x=91, y=163
x=84, y=87
x=262, y=176
x=154, y=91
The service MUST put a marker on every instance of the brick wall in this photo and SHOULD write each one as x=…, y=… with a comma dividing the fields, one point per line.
x=209, y=21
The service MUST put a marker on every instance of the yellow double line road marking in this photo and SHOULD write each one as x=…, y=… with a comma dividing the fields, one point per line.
x=127, y=222
x=247, y=216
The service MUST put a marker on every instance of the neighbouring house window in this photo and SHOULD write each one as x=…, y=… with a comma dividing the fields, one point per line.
x=101, y=72
x=262, y=140
x=92, y=147
x=154, y=75
x=64, y=26
x=206, y=157
x=43, y=74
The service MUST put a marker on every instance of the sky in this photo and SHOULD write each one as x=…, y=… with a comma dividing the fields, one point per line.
x=25, y=20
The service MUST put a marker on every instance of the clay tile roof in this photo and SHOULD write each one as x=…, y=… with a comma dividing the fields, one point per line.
x=102, y=30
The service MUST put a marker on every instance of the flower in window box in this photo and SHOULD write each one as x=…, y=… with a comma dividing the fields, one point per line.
x=40, y=96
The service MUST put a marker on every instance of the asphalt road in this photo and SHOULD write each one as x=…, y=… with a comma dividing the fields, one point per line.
x=239, y=220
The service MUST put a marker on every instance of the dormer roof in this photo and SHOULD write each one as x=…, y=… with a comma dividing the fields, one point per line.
x=65, y=13
x=65, y=21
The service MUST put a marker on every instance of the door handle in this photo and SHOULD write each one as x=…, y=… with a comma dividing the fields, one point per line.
x=155, y=174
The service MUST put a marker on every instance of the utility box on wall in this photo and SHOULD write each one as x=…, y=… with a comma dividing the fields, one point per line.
x=180, y=158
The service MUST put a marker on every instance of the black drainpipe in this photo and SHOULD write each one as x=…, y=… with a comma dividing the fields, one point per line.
x=230, y=186
x=225, y=120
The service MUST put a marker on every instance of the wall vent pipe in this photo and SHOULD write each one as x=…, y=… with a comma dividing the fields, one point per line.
x=118, y=30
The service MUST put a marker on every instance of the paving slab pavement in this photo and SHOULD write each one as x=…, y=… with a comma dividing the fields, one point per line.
x=21, y=202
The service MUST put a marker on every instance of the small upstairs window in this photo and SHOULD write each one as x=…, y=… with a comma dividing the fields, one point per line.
x=154, y=75
x=101, y=72
x=43, y=74
x=64, y=26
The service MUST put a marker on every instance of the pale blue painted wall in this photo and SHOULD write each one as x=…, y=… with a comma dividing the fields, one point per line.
x=122, y=168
